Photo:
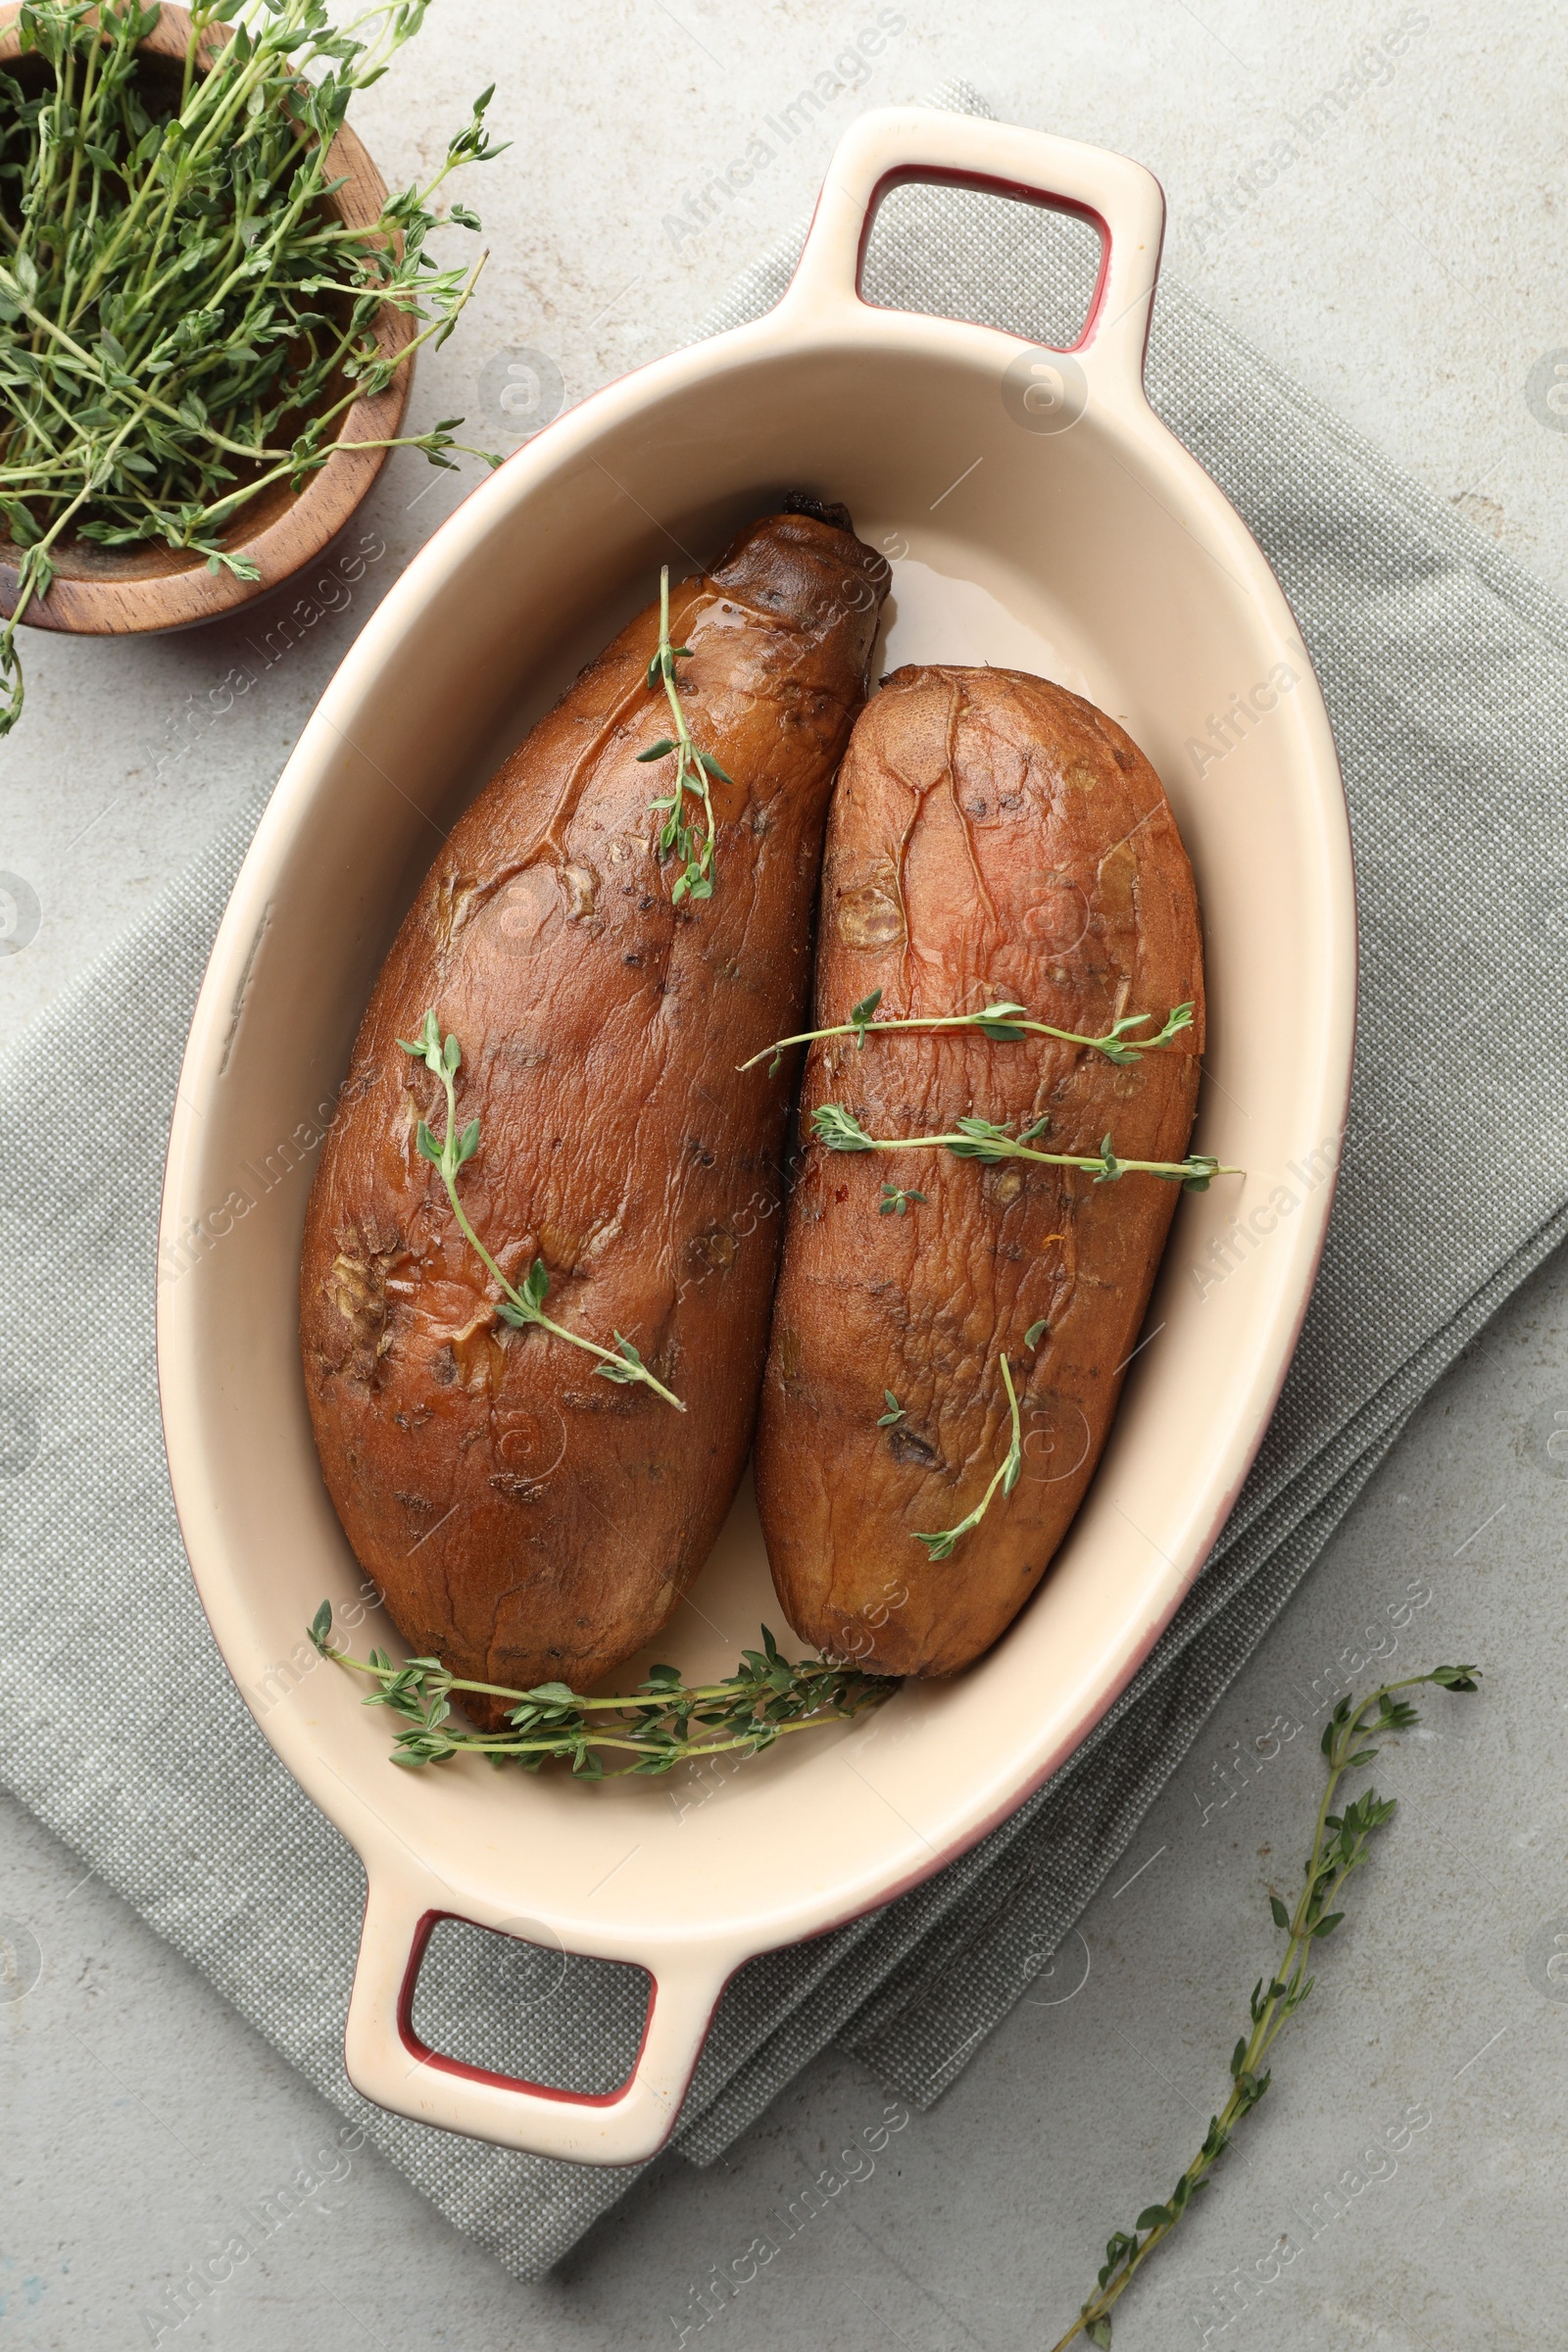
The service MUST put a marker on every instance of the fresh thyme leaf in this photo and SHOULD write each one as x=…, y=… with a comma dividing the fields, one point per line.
x=839, y=1129
x=164, y=350
x=1338, y=1850
x=1001, y=1020
x=895, y=1200
x=894, y=1412
x=980, y=1139
x=664, y=1723
x=518, y=1307
x=860, y=1016
x=629, y=1369
x=1032, y=1336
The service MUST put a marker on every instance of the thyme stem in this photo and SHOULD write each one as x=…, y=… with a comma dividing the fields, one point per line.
x=664, y=1723
x=1339, y=1848
x=985, y=1140
x=693, y=769
x=1002, y=1021
x=518, y=1307
x=940, y=1546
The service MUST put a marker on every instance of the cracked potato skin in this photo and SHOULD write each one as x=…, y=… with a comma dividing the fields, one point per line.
x=991, y=835
x=527, y=1520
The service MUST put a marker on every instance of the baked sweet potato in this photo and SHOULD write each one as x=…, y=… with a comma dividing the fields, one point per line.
x=991, y=836
x=527, y=1519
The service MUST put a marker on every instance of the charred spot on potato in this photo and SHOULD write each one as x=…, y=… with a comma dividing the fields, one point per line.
x=906, y=1444
x=518, y=1486
x=412, y=1502
x=828, y=511
x=699, y=1152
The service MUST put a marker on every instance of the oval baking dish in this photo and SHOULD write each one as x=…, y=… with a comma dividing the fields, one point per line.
x=1040, y=516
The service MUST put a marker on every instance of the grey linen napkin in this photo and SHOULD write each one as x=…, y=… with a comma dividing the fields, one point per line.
x=1445, y=670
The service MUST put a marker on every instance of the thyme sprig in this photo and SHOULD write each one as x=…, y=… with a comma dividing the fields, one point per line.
x=986, y=1140
x=942, y=1546
x=678, y=835
x=1338, y=1848
x=520, y=1308
x=182, y=321
x=1001, y=1020
x=664, y=1723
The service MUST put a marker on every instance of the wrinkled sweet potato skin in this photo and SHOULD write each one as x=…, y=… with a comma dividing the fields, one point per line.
x=526, y=1519
x=991, y=835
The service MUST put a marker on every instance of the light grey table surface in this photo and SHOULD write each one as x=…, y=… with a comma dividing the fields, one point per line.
x=1406, y=265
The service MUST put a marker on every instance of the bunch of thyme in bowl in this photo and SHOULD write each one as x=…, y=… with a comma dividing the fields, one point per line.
x=189, y=308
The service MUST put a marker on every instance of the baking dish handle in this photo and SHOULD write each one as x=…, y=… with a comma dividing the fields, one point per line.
x=895, y=144
x=388, y=2062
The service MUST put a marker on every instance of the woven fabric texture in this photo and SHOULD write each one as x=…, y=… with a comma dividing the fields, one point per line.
x=1445, y=670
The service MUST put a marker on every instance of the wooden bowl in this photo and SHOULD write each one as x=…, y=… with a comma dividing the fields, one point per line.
x=112, y=592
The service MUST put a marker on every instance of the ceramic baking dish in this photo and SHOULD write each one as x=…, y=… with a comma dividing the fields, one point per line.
x=1041, y=517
